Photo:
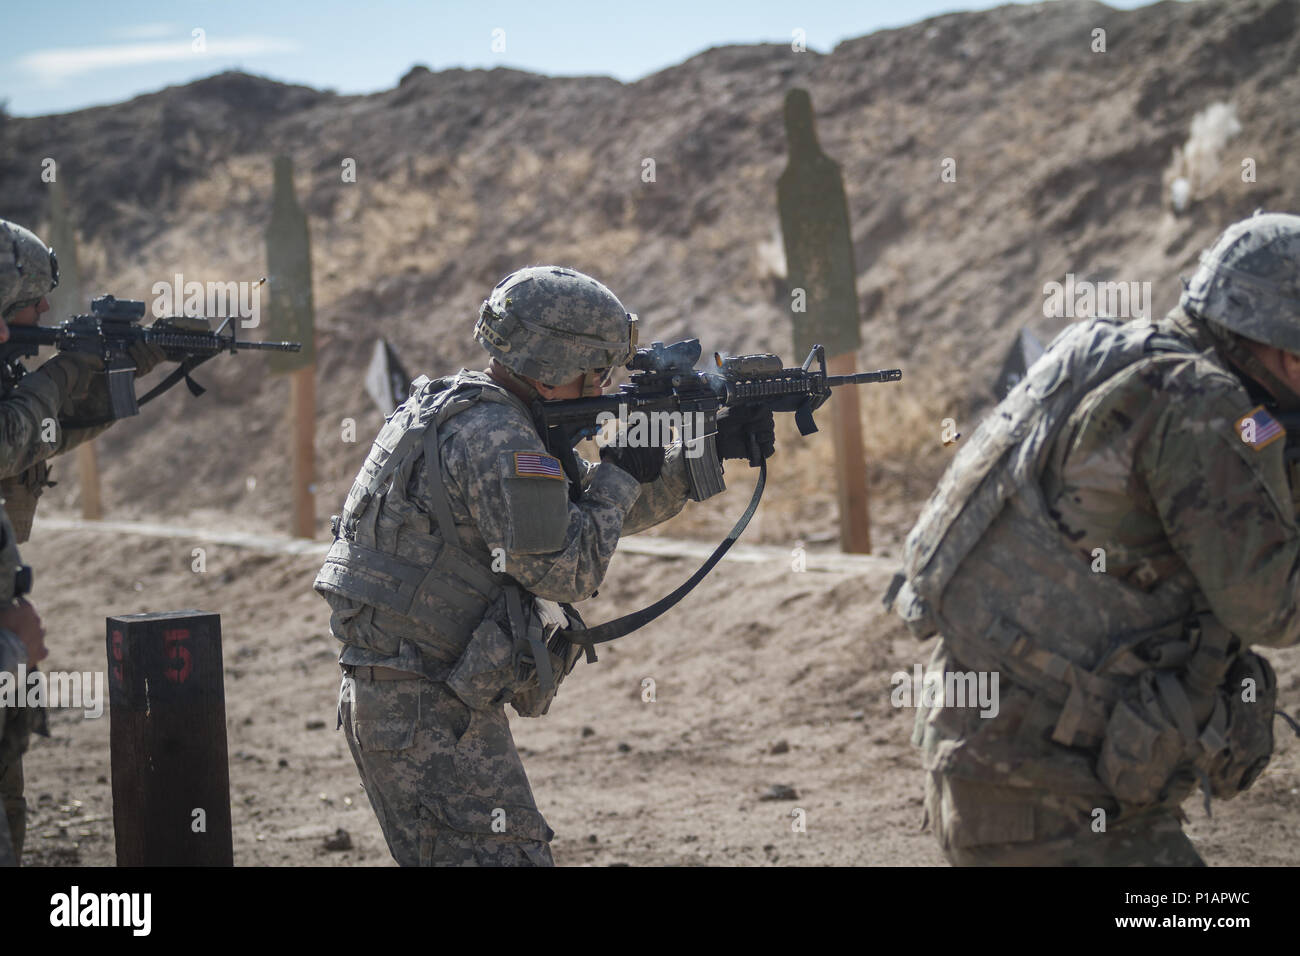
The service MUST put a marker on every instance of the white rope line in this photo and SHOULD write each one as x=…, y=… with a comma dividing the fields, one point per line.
x=659, y=547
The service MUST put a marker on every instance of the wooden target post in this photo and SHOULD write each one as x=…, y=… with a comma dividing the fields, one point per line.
x=66, y=301
x=288, y=262
x=820, y=270
x=167, y=711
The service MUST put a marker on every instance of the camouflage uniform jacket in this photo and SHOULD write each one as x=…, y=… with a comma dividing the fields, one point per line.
x=16, y=723
x=27, y=410
x=1150, y=476
x=526, y=529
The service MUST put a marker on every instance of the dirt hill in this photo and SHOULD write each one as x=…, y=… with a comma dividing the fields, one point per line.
x=1061, y=155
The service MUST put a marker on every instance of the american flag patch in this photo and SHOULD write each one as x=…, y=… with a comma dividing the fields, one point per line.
x=532, y=465
x=1259, y=429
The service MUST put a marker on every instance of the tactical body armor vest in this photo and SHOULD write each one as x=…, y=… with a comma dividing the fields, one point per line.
x=20, y=492
x=389, y=554
x=412, y=572
x=987, y=566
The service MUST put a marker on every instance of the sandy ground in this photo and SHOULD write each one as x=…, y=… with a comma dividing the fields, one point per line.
x=765, y=677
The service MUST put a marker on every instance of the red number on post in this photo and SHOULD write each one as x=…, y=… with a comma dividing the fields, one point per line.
x=117, y=656
x=178, y=655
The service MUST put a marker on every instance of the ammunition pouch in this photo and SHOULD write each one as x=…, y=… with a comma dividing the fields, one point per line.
x=1249, y=732
x=1211, y=720
x=1165, y=708
x=1152, y=746
x=1152, y=751
x=484, y=676
x=497, y=667
x=531, y=699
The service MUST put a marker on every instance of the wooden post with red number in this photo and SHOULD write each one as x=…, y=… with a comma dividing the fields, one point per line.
x=167, y=711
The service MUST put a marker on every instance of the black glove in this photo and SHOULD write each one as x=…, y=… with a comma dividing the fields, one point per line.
x=737, y=423
x=146, y=357
x=643, y=464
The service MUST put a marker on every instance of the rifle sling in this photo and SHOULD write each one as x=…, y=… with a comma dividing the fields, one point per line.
x=181, y=371
x=630, y=622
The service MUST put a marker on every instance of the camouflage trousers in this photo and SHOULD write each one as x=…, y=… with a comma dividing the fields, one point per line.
x=982, y=824
x=13, y=821
x=445, y=780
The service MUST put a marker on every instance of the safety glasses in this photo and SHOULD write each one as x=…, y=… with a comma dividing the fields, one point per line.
x=599, y=377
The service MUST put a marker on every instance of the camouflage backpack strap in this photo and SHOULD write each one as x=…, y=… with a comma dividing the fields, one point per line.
x=399, y=435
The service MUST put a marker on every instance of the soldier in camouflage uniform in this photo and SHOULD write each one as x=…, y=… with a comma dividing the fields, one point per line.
x=31, y=406
x=1110, y=542
x=458, y=548
x=66, y=386
x=22, y=642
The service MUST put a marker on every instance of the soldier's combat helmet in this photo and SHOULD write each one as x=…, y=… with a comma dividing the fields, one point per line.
x=1249, y=281
x=551, y=324
x=36, y=268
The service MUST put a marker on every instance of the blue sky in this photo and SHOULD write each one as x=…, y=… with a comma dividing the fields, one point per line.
x=62, y=55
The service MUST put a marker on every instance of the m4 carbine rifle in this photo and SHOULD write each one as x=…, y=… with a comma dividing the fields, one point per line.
x=664, y=379
x=110, y=330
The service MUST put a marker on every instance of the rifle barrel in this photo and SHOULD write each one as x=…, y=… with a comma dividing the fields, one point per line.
x=866, y=378
x=270, y=346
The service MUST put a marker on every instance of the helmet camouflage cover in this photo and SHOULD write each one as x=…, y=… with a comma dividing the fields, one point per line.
x=36, y=268
x=1249, y=281
x=9, y=276
x=551, y=324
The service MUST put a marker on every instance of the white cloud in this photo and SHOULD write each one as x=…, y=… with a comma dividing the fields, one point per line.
x=145, y=31
x=54, y=66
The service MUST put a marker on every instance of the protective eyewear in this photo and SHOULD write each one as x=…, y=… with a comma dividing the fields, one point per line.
x=600, y=376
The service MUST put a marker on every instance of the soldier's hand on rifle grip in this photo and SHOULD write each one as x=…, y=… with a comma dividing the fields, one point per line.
x=21, y=618
x=73, y=372
x=643, y=464
x=744, y=431
x=146, y=357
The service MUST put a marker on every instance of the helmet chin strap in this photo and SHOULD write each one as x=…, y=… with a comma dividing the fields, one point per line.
x=514, y=382
x=1235, y=350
